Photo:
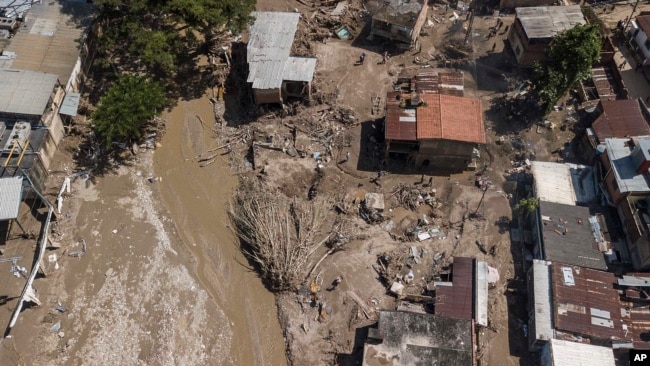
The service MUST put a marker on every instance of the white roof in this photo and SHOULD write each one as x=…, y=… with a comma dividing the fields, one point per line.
x=268, y=50
x=566, y=353
x=481, y=304
x=11, y=190
x=542, y=300
x=25, y=92
x=565, y=184
x=624, y=168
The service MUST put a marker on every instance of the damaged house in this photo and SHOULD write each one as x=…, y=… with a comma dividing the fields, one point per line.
x=399, y=21
x=424, y=126
x=272, y=73
x=534, y=28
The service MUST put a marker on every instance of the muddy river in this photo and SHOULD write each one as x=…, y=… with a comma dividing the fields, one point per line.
x=197, y=198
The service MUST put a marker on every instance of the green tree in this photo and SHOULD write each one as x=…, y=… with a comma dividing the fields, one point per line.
x=157, y=36
x=127, y=106
x=567, y=60
x=527, y=205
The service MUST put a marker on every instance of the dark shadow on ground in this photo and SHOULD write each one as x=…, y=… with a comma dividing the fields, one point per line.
x=355, y=357
x=514, y=114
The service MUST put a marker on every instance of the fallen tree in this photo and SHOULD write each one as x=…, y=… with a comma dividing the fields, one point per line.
x=278, y=233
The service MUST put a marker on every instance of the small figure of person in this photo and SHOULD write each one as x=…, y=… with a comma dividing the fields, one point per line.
x=384, y=57
x=347, y=157
x=622, y=65
x=361, y=58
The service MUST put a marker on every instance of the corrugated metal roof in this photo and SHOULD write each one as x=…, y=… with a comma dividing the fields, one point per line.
x=11, y=190
x=50, y=39
x=481, y=295
x=447, y=82
x=299, y=69
x=568, y=237
x=589, y=307
x=565, y=353
x=268, y=50
x=620, y=118
x=543, y=325
x=604, y=78
x=457, y=300
x=25, y=92
x=644, y=23
x=547, y=21
x=567, y=184
x=400, y=122
x=15, y=8
x=70, y=104
x=619, y=152
x=400, y=12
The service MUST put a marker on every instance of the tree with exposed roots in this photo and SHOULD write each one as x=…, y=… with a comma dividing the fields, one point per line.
x=279, y=234
x=126, y=108
x=567, y=59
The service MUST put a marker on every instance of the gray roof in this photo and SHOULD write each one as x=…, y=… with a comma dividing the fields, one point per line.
x=563, y=183
x=420, y=339
x=547, y=21
x=568, y=236
x=268, y=50
x=619, y=153
x=50, y=39
x=25, y=92
x=567, y=353
x=11, y=190
x=542, y=325
x=70, y=104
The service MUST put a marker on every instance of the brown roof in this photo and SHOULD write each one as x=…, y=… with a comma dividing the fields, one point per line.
x=620, y=118
x=604, y=79
x=644, y=23
x=449, y=83
x=400, y=122
x=457, y=300
x=450, y=118
x=585, y=302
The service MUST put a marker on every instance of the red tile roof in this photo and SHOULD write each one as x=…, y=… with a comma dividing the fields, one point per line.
x=620, y=118
x=457, y=300
x=450, y=118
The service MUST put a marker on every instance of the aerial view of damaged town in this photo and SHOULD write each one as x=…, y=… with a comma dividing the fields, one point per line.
x=325, y=182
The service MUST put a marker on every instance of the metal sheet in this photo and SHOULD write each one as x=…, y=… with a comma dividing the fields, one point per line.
x=70, y=104
x=481, y=296
x=11, y=190
x=25, y=92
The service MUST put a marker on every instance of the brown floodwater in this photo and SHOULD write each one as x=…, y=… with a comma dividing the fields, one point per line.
x=197, y=199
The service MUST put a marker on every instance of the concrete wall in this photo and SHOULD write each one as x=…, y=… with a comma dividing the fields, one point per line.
x=444, y=154
x=527, y=54
x=264, y=96
x=524, y=3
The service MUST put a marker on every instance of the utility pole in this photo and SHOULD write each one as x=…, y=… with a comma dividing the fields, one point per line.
x=630, y=18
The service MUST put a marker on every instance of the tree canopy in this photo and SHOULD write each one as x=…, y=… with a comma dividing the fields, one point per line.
x=567, y=60
x=157, y=36
x=127, y=106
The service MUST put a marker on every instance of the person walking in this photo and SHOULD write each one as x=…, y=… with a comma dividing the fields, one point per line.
x=384, y=57
x=347, y=157
x=361, y=58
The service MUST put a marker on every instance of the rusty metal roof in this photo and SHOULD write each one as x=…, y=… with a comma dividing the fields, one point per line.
x=400, y=122
x=644, y=23
x=620, y=118
x=447, y=82
x=604, y=78
x=457, y=300
x=585, y=302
